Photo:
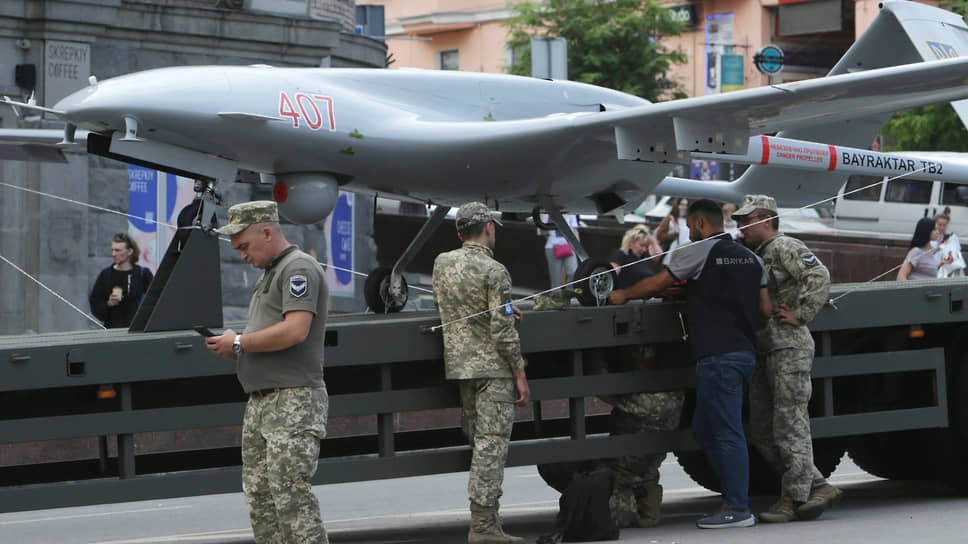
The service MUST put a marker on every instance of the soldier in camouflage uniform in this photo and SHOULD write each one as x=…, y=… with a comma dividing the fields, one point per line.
x=798, y=285
x=280, y=365
x=637, y=496
x=483, y=354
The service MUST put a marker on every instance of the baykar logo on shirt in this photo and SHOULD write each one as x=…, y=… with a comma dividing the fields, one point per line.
x=734, y=260
x=298, y=285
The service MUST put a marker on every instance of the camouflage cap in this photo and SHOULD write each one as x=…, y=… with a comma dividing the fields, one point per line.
x=249, y=213
x=473, y=213
x=751, y=203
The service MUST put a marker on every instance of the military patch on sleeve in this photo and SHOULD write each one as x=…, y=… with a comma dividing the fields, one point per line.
x=298, y=285
x=809, y=259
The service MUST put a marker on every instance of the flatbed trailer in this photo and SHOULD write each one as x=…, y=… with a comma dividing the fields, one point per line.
x=890, y=381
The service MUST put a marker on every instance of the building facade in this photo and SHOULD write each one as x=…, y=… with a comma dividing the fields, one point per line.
x=720, y=35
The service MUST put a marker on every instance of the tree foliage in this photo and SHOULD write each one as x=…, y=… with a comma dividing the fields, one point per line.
x=611, y=43
x=929, y=128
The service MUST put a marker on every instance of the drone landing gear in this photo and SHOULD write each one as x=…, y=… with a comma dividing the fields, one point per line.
x=386, y=290
x=597, y=281
x=596, y=278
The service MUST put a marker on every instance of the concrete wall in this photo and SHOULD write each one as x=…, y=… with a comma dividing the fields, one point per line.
x=65, y=245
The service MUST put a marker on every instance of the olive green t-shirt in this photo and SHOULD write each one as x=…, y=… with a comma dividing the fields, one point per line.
x=294, y=281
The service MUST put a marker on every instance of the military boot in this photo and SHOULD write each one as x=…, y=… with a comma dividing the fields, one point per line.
x=821, y=498
x=500, y=527
x=486, y=527
x=622, y=506
x=781, y=512
x=649, y=506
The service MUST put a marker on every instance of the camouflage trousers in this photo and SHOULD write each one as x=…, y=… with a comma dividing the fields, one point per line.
x=487, y=417
x=780, y=391
x=635, y=413
x=280, y=449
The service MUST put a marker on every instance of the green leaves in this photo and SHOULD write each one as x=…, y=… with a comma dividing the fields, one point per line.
x=611, y=43
x=931, y=128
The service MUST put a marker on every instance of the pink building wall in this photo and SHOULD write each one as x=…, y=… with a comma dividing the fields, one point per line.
x=476, y=29
x=751, y=31
x=473, y=27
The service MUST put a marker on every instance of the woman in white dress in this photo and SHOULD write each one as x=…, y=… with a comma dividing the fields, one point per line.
x=949, y=247
x=673, y=232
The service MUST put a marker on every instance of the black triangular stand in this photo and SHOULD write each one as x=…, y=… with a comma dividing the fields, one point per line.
x=187, y=289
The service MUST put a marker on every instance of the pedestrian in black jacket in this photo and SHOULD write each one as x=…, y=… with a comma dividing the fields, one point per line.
x=119, y=288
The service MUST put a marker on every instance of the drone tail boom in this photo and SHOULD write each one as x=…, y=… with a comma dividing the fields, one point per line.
x=931, y=34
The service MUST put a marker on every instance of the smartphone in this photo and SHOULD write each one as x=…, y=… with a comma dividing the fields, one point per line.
x=204, y=331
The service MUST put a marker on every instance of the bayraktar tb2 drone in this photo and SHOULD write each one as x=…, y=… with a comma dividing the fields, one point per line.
x=519, y=144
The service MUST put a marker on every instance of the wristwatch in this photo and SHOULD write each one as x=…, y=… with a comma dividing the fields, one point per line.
x=237, y=344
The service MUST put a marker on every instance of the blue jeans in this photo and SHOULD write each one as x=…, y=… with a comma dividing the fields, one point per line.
x=718, y=421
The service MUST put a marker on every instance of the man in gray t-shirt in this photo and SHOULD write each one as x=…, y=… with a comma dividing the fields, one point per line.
x=727, y=296
x=279, y=360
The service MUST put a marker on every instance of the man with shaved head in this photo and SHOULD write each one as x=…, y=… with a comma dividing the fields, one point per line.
x=279, y=361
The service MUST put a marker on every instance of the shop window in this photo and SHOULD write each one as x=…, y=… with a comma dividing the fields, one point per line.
x=448, y=60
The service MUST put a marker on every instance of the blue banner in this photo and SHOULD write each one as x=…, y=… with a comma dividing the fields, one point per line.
x=341, y=242
x=143, y=197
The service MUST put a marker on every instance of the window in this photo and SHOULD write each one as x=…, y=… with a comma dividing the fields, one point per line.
x=909, y=191
x=513, y=56
x=949, y=194
x=448, y=60
x=870, y=193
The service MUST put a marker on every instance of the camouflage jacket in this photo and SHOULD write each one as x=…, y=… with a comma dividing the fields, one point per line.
x=797, y=278
x=467, y=281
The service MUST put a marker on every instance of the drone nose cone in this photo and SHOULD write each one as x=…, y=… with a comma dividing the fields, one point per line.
x=153, y=94
x=74, y=100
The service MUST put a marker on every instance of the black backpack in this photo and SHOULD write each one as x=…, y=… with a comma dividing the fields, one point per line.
x=583, y=513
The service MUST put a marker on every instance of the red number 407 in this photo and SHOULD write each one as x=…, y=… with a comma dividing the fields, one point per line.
x=308, y=110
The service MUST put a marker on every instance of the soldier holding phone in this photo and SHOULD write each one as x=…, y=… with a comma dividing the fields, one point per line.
x=280, y=365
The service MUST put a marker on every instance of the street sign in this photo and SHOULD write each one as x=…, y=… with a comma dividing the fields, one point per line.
x=731, y=73
x=67, y=65
x=549, y=58
x=769, y=59
x=685, y=14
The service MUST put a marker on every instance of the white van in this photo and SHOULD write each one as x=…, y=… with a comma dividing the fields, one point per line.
x=894, y=207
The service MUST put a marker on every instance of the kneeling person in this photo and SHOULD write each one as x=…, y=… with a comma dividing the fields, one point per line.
x=727, y=295
x=637, y=498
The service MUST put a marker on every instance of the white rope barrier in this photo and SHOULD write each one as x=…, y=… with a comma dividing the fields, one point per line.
x=51, y=291
x=649, y=258
x=464, y=318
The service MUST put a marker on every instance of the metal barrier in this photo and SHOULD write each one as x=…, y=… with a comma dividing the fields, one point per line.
x=385, y=366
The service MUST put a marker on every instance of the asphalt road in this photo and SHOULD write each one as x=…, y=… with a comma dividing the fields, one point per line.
x=432, y=509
